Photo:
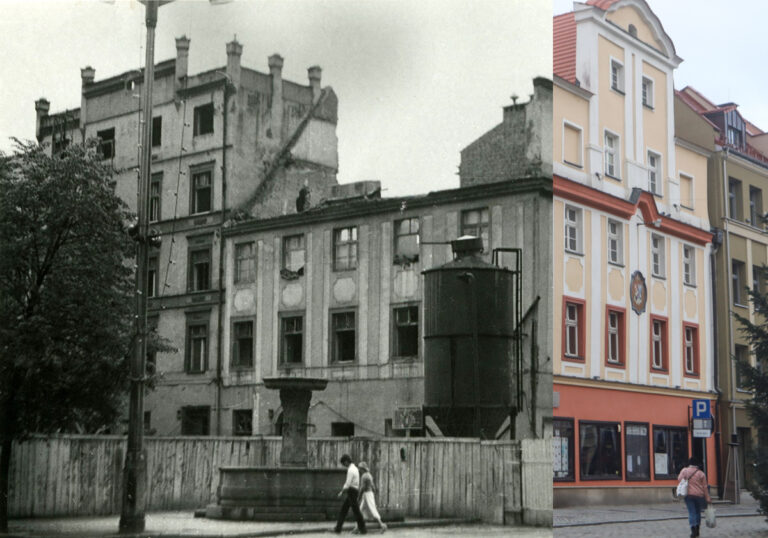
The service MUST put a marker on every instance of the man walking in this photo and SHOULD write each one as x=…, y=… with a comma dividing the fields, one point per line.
x=350, y=494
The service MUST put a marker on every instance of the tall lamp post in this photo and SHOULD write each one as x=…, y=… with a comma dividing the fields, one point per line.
x=134, y=472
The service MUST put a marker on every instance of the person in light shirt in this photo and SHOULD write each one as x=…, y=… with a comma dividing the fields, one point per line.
x=368, y=501
x=350, y=493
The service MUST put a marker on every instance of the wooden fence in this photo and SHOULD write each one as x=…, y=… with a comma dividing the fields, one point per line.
x=496, y=482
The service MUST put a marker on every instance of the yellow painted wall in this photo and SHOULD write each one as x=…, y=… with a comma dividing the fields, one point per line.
x=611, y=103
x=575, y=109
x=625, y=16
x=655, y=133
x=693, y=164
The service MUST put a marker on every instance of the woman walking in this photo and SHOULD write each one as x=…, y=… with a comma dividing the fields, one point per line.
x=368, y=501
x=697, y=497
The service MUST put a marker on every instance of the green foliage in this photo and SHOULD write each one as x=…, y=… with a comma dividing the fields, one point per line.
x=755, y=378
x=65, y=292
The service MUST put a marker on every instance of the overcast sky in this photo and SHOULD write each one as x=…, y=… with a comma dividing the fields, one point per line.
x=417, y=80
x=723, y=46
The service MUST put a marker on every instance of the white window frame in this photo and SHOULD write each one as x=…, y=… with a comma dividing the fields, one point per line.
x=658, y=344
x=574, y=225
x=658, y=258
x=646, y=91
x=613, y=337
x=655, y=185
x=571, y=344
x=568, y=124
x=619, y=84
x=690, y=350
x=615, y=241
x=689, y=265
x=612, y=152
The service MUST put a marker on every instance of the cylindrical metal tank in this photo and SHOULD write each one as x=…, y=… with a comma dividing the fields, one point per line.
x=468, y=354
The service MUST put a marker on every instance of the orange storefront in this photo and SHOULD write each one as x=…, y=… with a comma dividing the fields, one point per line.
x=623, y=444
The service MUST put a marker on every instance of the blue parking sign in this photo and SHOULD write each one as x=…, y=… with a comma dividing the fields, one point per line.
x=701, y=409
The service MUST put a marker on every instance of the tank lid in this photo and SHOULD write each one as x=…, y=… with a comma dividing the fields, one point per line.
x=467, y=245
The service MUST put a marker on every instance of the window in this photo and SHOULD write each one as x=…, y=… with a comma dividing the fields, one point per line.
x=203, y=119
x=294, y=253
x=157, y=131
x=741, y=354
x=637, y=451
x=734, y=136
x=343, y=348
x=195, y=420
x=617, y=76
x=242, y=422
x=197, y=348
x=562, y=449
x=148, y=423
x=670, y=451
x=658, y=258
x=345, y=248
x=689, y=265
x=242, y=344
x=342, y=429
x=106, y=143
x=475, y=222
x=599, y=451
x=691, y=349
x=572, y=145
x=611, y=150
x=614, y=336
x=292, y=340
x=615, y=242
x=573, y=329
x=758, y=276
x=406, y=331
x=199, y=275
x=244, y=263
x=686, y=191
x=407, y=240
x=654, y=173
x=201, y=191
x=152, y=273
x=647, y=92
x=734, y=198
x=573, y=229
x=659, y=351
x=755, y=206
x=738, y=279
x=155, y=193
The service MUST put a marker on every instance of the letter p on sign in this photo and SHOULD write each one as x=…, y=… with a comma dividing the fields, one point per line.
x=701, y=409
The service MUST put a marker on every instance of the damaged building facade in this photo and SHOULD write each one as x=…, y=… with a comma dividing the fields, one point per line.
x=268, y=267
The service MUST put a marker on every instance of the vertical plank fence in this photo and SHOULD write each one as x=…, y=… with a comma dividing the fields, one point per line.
x=492, y=481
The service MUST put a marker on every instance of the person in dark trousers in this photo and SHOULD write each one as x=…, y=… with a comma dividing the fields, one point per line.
x=350, y=494
x=697, y=497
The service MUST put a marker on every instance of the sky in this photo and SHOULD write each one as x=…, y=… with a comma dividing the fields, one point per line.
x=416, y=81
x=723, y=46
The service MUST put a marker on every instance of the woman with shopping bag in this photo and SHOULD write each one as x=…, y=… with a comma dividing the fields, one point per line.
x=696, y=493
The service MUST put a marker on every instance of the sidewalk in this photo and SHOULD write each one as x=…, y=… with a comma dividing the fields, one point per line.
x=674, y=509
x=184, y=524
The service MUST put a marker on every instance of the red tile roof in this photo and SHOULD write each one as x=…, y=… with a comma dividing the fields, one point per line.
x=564, y=47
x=601, y=4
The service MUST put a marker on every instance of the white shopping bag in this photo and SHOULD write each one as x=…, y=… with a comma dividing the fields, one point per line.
x=709, y=515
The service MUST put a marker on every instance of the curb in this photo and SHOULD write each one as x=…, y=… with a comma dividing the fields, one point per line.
x=614, y=522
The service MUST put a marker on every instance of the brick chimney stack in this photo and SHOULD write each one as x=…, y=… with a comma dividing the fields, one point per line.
x=87, y=76
x=182, y=60
x=42, y=106
x=276, y=71
x=234, y=51
x=315, y=73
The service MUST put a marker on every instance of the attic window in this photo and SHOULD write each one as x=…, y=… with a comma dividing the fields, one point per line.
x=632, y=30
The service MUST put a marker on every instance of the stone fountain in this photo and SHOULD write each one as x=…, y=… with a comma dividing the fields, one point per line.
x=293, y=491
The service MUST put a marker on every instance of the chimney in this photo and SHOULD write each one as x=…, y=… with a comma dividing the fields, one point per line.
x=276, y=72
x=182, y=60
x=42, y=106
x=87, y=75
x=234, y=51
x=314, y=73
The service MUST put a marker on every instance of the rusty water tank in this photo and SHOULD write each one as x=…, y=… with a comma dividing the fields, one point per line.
x=468, y=333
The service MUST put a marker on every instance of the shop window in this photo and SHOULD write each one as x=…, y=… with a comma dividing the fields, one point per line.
x=407, y=240
x=599, y=451
x=670, y=451
x=242, y=344
x=562, y=449
x=406, y=332
x=195, y=420
x=203, y=120
x=637, y=452
x=345, y=248
x=242, y=422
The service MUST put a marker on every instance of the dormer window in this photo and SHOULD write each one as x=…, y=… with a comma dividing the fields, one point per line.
x=734, y=136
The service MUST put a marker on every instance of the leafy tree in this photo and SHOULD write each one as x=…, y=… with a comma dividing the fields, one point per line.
x=65, y=297
x=755, y=378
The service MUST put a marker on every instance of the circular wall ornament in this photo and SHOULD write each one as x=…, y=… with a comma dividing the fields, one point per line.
x=638, y=292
